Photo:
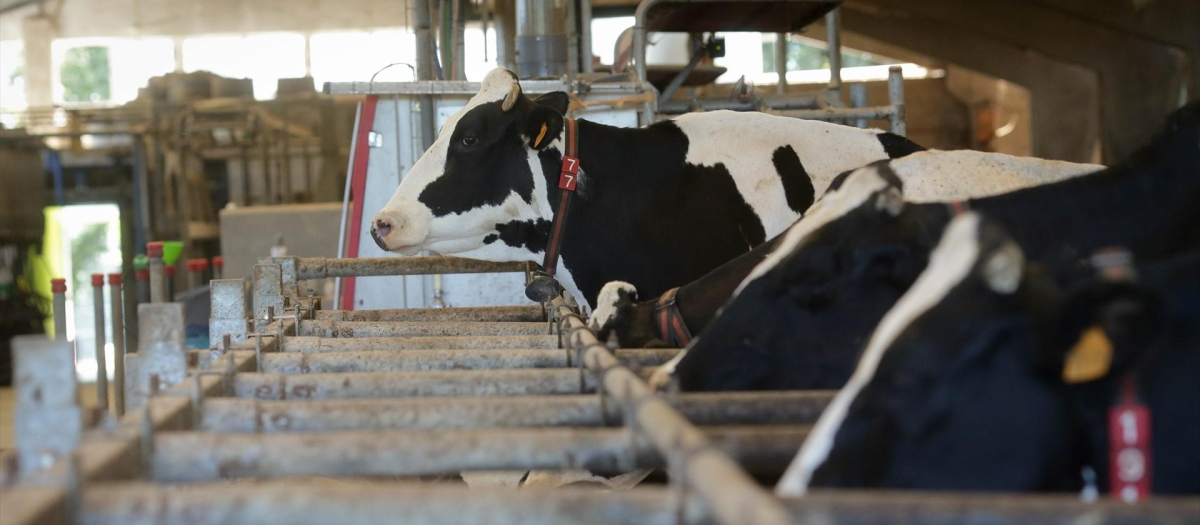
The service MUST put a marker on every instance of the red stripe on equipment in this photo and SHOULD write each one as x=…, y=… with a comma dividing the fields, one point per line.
x=169, y=271
x=142, y=275
x=97, y=279
x=154, y=250
x=358, y=186
x=58, y=285
x=114, y=279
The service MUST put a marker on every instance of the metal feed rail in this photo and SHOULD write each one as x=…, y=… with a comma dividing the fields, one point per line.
x=347, y=410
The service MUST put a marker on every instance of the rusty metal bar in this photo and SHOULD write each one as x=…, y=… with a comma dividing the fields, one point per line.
x=412, y=384
x=312, y=345
x=117, y=304
x=529, y=313
x=99, y=329
x=323, y=267
x=415, y=329
x=427, y=360
x=736, y=408
x=322, y=502
x=203, y=456
x=725, y=488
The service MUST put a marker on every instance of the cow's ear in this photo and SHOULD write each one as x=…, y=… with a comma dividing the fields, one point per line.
x=542, y=125
x=556, y=100
x=1112, y=325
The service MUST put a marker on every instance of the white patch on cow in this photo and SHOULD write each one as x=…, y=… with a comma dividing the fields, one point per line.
x=941, y=176
x=606, y=302
x=855, y=190
x=745, y=143
x=949, y=263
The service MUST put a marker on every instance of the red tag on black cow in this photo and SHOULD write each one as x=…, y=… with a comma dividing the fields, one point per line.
x=570, y=173
x=1129, y=451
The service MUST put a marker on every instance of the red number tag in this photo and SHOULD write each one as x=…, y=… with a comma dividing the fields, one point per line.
x=1129, y=451
x=570, y=173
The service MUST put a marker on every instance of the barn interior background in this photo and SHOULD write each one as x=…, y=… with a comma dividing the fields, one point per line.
x=229, y=131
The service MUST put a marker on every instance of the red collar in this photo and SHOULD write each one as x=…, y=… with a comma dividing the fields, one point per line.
x=543, y=287
x=671, y=327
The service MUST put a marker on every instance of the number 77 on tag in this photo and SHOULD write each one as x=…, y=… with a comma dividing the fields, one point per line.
x=569, y=178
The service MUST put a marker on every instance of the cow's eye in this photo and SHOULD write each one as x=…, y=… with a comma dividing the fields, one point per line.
x=469, y=141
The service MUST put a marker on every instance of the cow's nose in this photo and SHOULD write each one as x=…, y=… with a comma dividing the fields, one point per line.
x=383, y=227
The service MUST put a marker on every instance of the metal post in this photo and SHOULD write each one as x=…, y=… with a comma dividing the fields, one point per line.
x=154, y=252
x=218, y=267
x=162, y=356
x=833, y=35
x=781, y=51
x=169, y=282
x=896, y=99
x=227, y=317
x=858, y=99
x=116, y=300
x=542, y=47
x=101, y=361
x=59, y=288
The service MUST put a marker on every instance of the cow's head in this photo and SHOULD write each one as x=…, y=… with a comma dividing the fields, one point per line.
x=798, y=317
x=959, y=386
x=484, y=170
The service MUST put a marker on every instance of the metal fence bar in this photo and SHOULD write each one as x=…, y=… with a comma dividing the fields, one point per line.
x=322, y=267
x=724, y=487
x=412, y=384
x=741, y=408
x=529, y=313
x=416, y=329
x=899, y=115
x=204, y=456
x=117, y=304
x=306, y=344
x=427, y=360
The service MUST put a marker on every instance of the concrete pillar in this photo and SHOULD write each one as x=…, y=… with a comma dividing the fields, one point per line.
x=38, y=33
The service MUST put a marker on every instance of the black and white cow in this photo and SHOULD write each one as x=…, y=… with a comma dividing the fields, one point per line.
x=966, y=383
x=928, y=176
x=656, y=206
x=801, y=316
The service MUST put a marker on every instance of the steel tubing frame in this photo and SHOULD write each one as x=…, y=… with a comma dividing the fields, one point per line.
x=429, y=360
x=530, y=313
x=738, y=408
x=320, y=502
x=204, y=456
x=313, y=345
x=724, y=487
x=323, y=267
x=412, y=384
x=416, y=329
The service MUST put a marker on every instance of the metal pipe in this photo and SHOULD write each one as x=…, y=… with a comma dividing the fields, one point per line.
x=425, y=71
x=117, y=301
x=412, y=384
x=154, y=252
x=781, y=50
x=322, y=267
x=541, y=39
x=203, y=456
x=896, y=99
x=858, y=99
x=506, y=33
x=323, y=501
x=725, y=488
x=429, y=360
x=585, y=35
x=313, y=345
x=874, y=112
x=58, y=287
x=411, y=329
x=98, y=320
x=833, y=37
x=320, y=502
x=775, y=102
x=525, y=313
x=733, y=408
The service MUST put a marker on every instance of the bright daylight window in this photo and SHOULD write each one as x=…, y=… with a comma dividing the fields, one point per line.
x=12, y=82
x=264, y=58
x=107, y=71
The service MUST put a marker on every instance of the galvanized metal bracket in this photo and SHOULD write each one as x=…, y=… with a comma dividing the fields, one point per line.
x=228, y=315
x=162, y=354
x=289, y=277
x=268, y=292
x=48, y=422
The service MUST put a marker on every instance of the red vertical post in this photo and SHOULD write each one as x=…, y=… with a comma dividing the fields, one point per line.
x=358, y=186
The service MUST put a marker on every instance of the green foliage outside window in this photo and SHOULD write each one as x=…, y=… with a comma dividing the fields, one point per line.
x=84, y=74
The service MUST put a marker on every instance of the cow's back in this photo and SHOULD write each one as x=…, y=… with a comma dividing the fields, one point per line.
x=940, y=176
x=772, y=158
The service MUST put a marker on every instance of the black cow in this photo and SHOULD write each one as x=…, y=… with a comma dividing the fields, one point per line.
x=656, y=206
x=964, y=384
x=800, y=317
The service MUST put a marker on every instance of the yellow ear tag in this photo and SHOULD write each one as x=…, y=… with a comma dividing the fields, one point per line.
x=542, y=135
x=1090, y=358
